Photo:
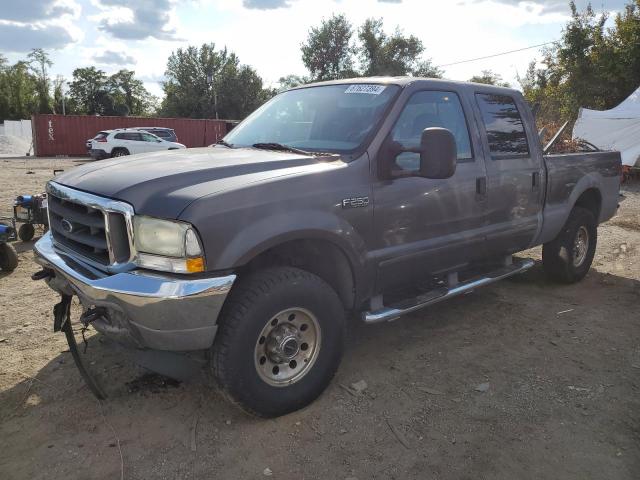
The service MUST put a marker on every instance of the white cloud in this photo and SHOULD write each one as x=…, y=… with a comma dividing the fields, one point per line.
x=110, y=57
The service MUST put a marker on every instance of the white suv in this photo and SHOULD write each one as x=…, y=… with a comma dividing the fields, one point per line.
x=127, y=141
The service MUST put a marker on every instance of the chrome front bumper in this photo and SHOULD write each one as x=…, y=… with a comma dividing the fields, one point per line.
x=148, y=310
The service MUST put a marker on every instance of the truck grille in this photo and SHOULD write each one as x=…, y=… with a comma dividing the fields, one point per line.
x=94, y=227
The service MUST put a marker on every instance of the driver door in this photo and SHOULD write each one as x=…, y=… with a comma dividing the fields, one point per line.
x=425, y=226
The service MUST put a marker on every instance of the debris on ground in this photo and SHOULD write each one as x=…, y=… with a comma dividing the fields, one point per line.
x=359, y=386
x=267, y=472
x=430, y=391
x=483, y=387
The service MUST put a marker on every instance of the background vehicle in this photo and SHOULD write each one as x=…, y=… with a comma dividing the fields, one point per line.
x=367, y=197
x=128, y=141
x=167, y=134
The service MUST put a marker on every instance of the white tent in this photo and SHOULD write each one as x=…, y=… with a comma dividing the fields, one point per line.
x=615, y=129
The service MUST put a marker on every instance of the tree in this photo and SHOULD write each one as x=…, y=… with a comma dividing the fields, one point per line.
x=393, y=55
x=488, y=77
x=328, y=53
x=426, y=68
x=291, y=81
x=204, y=81
x=58, y=92
x=39, y=62
x=590, y=66
x=21, y=92
x=87, y=92
x=129, y=94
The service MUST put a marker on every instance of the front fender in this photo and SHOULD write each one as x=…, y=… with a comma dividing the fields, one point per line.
x=274, y=230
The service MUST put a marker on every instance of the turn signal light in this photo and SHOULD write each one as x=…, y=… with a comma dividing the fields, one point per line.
x=195, y=265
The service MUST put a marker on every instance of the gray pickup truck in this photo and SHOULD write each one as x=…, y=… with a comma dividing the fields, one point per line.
x=365, y=198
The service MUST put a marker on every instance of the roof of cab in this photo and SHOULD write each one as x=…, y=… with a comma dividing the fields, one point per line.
x=405, y=81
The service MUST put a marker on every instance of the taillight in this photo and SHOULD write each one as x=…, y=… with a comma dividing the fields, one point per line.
x=101, y=140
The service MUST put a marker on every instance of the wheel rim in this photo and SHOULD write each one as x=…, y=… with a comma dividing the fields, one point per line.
x=287, y=347
x=580, y=246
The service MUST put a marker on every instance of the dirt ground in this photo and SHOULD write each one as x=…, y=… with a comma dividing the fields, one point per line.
x=521, y=380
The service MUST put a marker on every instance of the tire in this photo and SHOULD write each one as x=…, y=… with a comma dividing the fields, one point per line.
x=119, y=152
x=8, y=257
x=267, y=310
x=26, y=232
x=566, y=258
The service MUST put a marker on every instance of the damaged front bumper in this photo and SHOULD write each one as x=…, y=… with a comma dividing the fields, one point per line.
x=144, y=309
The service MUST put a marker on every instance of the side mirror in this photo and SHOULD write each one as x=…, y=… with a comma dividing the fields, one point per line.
x=438, y=153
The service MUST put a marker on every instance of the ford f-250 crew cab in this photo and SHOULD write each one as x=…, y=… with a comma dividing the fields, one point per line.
x=372, y=197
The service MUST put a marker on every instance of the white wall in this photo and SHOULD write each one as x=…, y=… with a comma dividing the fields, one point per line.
x=19, y=128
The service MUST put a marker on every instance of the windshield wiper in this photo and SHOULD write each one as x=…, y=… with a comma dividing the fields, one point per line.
x=225, y=143
x=281, y=147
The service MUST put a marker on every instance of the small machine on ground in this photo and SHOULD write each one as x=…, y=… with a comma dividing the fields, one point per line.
x=30, y=211
x=8, y=255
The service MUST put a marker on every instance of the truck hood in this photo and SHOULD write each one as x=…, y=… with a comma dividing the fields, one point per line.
x=163, y=184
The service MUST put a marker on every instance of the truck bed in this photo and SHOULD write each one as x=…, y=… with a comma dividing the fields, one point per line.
x=569, y=176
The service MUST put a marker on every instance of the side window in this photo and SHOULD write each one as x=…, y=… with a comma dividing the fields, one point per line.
x=146, y=137
x=127, y=136
x=430, y=109
x=505, y=130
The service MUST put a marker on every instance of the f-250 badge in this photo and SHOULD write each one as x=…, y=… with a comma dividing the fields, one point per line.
x=355, y=202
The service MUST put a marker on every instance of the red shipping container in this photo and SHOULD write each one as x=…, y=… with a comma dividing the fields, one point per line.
x=67, y=134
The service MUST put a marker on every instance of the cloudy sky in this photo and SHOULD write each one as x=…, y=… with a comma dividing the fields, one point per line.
x=140, y=34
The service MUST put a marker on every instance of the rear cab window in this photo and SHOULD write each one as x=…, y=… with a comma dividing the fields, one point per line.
x=425, y=109
x=503, y=124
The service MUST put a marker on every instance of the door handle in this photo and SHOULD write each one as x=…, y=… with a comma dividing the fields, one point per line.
x=481, y=186
x=535, y=180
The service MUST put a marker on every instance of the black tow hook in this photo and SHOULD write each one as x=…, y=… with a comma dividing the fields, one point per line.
x=43, y=274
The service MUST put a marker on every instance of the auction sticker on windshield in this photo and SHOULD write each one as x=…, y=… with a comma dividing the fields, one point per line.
x=370, y=89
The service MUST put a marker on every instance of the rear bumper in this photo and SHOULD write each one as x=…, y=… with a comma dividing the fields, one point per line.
x=144, y=309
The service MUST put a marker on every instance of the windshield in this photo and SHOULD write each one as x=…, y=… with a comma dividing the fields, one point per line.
x=331, y=118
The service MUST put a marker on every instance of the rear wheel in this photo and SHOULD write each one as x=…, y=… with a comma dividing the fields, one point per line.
x=8, y=257
x=119, y=152
x=280, y=341
x=26, y=232
x=568, y=257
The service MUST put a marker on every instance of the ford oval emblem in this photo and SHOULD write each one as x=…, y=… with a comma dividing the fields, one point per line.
x=67, y=226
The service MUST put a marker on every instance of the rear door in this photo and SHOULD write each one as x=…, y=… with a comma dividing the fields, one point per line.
x=514, y=172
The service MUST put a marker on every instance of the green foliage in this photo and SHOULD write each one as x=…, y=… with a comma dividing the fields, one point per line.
x=291, y=81
x=92, y=92
x=590, y=66
x=489, y=77
x=393, y=55
x=200, y=78
x=39, y=63
x=328, y=53
x=18, y=91
x=129, y=94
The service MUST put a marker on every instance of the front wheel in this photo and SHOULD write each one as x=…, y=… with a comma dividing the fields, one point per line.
x=567, y=258
x=280, y=341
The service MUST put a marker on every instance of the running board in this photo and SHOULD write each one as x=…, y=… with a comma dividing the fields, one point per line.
x=386, y=314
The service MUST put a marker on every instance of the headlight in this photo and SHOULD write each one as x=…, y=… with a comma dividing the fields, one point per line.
x=167, y=245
